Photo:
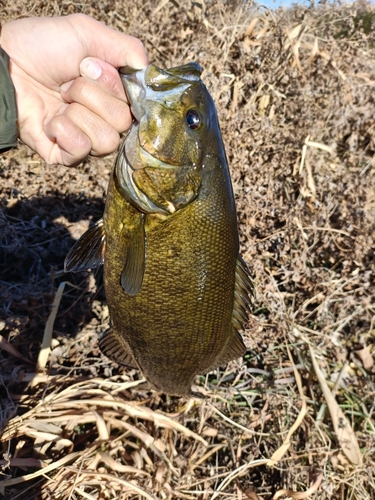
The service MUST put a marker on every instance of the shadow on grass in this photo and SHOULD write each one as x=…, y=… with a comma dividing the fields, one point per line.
x=35, y=236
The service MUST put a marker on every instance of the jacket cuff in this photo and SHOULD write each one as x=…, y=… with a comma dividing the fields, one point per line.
x=8, y=108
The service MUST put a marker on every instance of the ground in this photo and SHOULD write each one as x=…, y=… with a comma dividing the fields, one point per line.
x=295, y=96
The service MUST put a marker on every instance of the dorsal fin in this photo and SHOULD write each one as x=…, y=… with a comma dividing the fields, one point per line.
x=112, y=346
x=88, y=252
x=135, y=259
x=243, y=290
x=235, y=346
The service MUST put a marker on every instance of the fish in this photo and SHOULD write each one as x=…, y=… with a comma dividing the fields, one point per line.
x=178, y=291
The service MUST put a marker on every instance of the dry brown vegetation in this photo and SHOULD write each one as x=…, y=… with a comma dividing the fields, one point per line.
x=295, y=96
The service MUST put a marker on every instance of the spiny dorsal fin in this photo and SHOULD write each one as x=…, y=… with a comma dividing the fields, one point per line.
x=242, y=291
x=88, y=252
x=115, y=349
x=135, y=260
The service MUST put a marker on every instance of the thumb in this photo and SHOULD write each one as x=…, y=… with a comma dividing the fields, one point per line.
x=113, y=47
x=104, y=74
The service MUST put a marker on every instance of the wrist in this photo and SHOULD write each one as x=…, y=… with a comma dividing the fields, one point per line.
x=8, y=109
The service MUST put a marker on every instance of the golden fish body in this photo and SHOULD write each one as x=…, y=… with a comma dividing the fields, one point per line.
x=176, y=287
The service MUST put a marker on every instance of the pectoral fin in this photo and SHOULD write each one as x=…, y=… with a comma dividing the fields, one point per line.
x=88, y=252
x=135, y=259
x=116, y=349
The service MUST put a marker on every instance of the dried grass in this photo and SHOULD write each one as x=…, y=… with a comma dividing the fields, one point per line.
x=294, y=92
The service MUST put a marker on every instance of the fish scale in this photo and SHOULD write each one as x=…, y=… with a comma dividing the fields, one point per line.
x=185, y=332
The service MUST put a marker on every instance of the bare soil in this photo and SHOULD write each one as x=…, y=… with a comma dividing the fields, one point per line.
x=295, y=93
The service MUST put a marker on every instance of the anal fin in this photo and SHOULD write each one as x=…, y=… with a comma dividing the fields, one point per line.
x=88, y=252
x=116, y=349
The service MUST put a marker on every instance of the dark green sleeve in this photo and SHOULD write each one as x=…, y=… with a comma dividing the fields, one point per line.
x=8, y=109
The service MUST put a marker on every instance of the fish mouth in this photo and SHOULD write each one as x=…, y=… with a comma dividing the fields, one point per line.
x=156, y=84
x=139, y=85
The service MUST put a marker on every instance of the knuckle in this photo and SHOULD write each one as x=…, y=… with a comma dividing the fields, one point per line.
x=79, y=88
x=78, y=18
x=138, y=45
x=111, y=82
x=121, y=117
x=107, y=145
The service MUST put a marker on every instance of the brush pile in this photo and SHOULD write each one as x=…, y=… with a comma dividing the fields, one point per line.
x=295, y=93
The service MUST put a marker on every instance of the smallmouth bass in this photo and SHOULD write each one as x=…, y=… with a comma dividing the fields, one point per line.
x=177, y=289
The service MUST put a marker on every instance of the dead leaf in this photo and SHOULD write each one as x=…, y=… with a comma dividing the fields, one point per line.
x=251, y=27
x=7, y=346
x=364, y=355
x=48, y=331
x=263, y=103
x=55, y=465
x=250, y=494
x=114, y=465
x=300, y=495
x=280, y=452
x=341, y=425
x=101, y=426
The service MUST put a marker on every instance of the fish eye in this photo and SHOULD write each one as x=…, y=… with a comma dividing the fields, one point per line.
x=193, y=119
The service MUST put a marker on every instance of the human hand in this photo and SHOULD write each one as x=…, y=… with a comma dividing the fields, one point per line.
x=70, y=98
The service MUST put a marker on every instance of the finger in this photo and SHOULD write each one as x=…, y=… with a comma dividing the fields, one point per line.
x=90, y=95
x=71, y=146
x=106, y=76
x=103, y=136
x=111, y=46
